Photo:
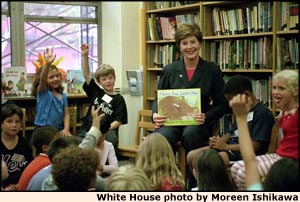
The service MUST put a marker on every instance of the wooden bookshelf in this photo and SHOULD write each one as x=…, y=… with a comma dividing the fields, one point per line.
x=266, y=34
x=29, y=103
x=151, y=67
x=268, y=17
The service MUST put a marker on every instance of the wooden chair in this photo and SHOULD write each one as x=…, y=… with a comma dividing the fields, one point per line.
x=73, y=119
x=144, y=125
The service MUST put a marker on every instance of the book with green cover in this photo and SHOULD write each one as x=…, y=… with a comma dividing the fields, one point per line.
x=179, y=105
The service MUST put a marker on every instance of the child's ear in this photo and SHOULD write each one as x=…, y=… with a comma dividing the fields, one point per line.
x=295, y=93
x=45, y=148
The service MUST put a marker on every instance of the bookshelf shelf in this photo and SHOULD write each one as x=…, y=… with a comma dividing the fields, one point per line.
x=160, y=41
x=238, y=36
x=173, y=9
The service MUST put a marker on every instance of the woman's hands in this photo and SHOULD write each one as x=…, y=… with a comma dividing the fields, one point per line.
x=200, y=118
x=159, y=120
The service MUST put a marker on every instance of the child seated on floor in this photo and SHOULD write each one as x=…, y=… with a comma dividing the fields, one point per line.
x=156, y=158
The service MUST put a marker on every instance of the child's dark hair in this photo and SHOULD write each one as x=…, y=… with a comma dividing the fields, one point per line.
x=43, y=136
x=9, y=110
x=283, y=176
x=36, y=81
x=74, y=169
x=211, y=172
x=60, y=143
x=237, y=84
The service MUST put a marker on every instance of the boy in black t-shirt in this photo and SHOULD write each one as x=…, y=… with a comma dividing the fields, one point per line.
x=101, y=93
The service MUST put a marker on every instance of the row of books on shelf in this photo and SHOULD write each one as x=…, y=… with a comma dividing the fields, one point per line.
x=165, y=54
x=242, y=53
x=261, y=88
x=226, y=123
x=254, y=19
x=170, y=4
x=163, y=28
x=18, y=84
x=289, y=15
x=287, y=53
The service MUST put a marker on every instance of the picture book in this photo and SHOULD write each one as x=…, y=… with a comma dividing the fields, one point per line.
x=16, y=82
x=75, y=81
x=179, y=105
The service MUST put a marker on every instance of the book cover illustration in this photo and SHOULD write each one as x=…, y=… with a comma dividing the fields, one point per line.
x=75, y=81
x=179, y=105
x=16, y=82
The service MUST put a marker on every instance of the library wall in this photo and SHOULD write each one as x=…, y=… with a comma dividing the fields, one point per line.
x=121, y=49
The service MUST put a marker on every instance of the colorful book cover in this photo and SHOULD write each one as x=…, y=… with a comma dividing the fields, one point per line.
x=75, y=81
x=179, y=105
x=16, y=82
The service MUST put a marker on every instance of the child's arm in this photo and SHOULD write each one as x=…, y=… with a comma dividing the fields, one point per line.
x=49, y=58
x=241, y=105
x=112, y=161
x=66, y=130
x=85, y=66
x=92, y=136
x=114, y=125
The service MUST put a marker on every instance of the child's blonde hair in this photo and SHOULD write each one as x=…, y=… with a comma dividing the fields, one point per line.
x=104, y=70
x=156, y=158
x=291, y=77
x=128, y=177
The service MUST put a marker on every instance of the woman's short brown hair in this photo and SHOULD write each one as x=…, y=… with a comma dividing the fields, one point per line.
x=187, y=30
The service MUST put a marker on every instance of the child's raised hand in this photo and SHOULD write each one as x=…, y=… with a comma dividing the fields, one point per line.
x=241, y=105
x=96, y=117
x=49, y=56
x=84, y=49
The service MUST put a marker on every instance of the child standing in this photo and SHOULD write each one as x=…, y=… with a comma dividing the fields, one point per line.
x=285, y=95
x=105, y=97
x=52, y=104
x=15, y=150
x=157, y=160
